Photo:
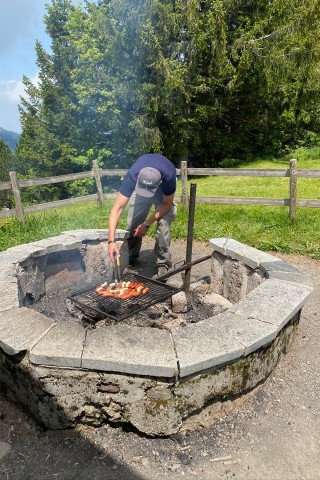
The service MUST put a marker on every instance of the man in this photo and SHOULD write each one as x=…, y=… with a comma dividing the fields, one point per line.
x=150, y=180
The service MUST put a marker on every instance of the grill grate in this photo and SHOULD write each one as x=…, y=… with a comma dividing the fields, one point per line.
x=97, y=306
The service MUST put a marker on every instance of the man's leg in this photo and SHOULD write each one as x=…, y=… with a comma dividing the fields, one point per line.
x=163, y=239
x=138, y=210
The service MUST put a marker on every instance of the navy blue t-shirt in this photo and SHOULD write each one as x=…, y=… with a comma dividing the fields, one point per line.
x=161, y=163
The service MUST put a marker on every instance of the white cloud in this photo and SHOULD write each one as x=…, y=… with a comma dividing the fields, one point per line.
x=21, y=23
x=10, y=92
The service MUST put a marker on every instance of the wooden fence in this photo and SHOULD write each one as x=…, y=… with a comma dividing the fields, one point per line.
x=183, y=172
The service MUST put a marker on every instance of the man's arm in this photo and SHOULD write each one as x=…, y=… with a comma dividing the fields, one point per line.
x=116, y=210
x=160, y=211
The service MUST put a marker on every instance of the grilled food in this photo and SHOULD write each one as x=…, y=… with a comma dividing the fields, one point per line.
x=122, y=290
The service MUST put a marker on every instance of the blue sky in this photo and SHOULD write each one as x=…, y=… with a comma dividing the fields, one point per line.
x=21, y=23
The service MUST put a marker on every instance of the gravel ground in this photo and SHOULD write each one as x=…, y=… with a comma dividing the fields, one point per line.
x=270, y=433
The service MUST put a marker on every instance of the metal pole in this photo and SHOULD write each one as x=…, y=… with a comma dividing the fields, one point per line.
x=185, y=266
x=184, y=182
x=192, y=203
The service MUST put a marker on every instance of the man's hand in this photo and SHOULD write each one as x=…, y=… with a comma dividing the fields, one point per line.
x=160, y=211
x=140, y=231
x=116, y=210
x=113, y=251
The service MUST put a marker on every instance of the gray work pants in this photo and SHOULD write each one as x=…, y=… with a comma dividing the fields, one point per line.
x=138, y=211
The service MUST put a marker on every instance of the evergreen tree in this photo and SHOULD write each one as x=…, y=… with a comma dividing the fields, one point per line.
x=187, y=78
x=47, y=114
x=188, y=56
x=274, y=49
x=6, y=163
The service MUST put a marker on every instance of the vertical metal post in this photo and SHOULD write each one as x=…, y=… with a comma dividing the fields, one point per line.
x=184, y=182
x=192, y=203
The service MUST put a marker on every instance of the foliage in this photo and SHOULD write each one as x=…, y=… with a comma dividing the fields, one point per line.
x=203, y=81
x=277, y=61
x=6, y=161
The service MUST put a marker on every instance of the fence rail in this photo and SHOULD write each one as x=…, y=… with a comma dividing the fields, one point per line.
x=183, y=172
x=251, y=172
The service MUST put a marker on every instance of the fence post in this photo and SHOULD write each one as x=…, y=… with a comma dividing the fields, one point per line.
x=184, y=181
x=17, y=197
x=97, y=177
x=293, y=188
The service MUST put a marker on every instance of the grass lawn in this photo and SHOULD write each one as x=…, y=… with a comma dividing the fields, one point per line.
x=264, y=227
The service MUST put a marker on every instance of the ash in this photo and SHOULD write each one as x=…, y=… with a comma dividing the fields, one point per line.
x=54, y=305
x=162, y=316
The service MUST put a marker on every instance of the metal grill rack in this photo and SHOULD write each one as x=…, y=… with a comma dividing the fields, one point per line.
x=117, y=309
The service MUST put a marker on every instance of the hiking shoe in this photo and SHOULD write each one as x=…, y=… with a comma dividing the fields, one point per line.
x=162, y=270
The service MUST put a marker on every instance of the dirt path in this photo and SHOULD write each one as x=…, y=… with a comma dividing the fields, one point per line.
x=271, y=433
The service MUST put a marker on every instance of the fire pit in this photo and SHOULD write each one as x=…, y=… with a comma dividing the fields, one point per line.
x=65, y=374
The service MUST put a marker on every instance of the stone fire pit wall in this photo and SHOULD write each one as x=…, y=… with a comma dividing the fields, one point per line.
x=153, y=379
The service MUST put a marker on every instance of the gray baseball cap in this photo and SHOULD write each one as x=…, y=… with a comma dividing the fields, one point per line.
x=148, y=181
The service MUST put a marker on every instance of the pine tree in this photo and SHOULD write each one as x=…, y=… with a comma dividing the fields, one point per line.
x=191, y=79
x=6, y=163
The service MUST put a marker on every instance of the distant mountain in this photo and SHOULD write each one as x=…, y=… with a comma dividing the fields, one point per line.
x=11, y=138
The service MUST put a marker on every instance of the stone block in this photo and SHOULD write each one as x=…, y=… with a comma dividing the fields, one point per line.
x=251, y=333
x=227, y=281
x=70, y=243
x=56, y=244
x=16, y=254
x=204, y=345
x=50, y=245
x=62, y=346
x=83, y=235
x=7, y=270
x=179, y=302
x=284, y=271
x=255, y=278
x=297, y=278
x=31, y=280
x=155, y=418
x=216, y=299
x=92, y=234
x=274, y=301
x=27, y=251
x=278, y=266
x=234, y=280
x=238, y=251
x=217, y=273
x=21, y=328
x=96, y=262
x=133, y=350
x=9, y=297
